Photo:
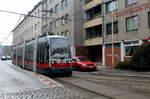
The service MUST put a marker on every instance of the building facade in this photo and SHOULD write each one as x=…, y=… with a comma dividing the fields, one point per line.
x=130, y=19
x=64, y=17
x=131, y=27
x=29, y=27
x=93, y=29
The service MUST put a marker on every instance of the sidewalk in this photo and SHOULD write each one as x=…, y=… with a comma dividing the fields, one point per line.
x=111, y=71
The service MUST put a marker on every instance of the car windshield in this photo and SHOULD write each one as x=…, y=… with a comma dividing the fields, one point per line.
x=83, y=59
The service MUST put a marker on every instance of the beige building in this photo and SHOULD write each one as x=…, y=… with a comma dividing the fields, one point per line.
x=64, y=17
x=93, y=29
x=131, y=27
x=29, y=27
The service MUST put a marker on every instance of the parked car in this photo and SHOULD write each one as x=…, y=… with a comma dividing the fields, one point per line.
x=8, y=57
x=3, y=58
x=83, y=63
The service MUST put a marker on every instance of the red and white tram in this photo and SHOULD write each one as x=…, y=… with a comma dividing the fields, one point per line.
x=48, y=55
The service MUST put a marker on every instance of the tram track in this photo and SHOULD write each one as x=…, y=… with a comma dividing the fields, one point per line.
x=82, y=88
x=123, y=82
x=118, y=78
x=81, y=82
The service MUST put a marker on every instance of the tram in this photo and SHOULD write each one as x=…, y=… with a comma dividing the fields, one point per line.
x=48, y=55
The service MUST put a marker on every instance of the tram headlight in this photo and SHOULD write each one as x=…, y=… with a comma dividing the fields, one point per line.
x=68, y=61
x=53, y=62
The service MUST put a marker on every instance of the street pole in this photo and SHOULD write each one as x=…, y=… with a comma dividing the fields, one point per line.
x=103, y=33
x=112, y=13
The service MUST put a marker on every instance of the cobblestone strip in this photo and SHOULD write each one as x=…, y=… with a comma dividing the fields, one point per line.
x=48, y=93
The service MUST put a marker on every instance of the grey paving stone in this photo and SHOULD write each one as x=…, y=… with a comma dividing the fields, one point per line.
x=47, y=93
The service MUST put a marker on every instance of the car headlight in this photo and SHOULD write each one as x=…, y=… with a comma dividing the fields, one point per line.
x=84, y=64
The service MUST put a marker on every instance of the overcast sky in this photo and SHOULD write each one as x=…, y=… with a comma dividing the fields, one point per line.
x=8, y=21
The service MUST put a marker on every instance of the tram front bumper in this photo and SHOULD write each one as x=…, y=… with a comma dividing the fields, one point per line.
x=62, y=70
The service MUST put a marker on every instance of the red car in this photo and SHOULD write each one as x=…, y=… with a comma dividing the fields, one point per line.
x=83, y=63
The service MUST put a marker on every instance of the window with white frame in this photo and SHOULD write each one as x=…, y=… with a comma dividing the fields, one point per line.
x=132, y=23
x=111, y=6
x=129, y=50
x=129, y=2
x=130, y=47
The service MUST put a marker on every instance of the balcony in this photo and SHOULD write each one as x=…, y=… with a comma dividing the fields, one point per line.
x=93, y=35
x=93, y=41
x=91, y=3
x=93, y=22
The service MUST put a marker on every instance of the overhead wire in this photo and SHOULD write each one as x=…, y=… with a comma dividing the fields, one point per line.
x=29, y=15
x=11, y=32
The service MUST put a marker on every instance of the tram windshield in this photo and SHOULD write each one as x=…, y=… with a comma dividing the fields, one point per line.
x=60, y=48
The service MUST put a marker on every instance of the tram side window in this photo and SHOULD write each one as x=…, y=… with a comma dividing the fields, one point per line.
x=29, y=53
x=42, y=53
x=14, y=54
x=47, y=54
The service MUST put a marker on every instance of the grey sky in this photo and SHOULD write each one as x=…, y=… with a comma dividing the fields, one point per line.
x=8, y=21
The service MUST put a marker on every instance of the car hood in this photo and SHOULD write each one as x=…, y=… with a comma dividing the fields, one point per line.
x=86, y=62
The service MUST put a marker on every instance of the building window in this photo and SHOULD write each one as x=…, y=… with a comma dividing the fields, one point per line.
x=62, y=20
x=50, y=1
x=56, y=9
x=132, y=23
x=57, y=23
x=66, y=33
x=51, y=12
x=87, y=1
x=67, y=18
x=149, y=19
x=129, y=50
x=111, y=6
x=66, y=3
x=109, y=27
x=38, y=12
x=62, y=4
x=35, y=26
x=129, y=2
x=44, y=6
x=50, y=26
x=93, y=32
x=93, y=12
